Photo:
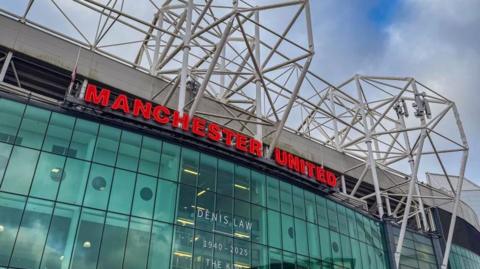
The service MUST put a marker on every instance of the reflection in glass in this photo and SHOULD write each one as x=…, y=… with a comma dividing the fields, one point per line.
x=113, y=241
x=20, y=170
x=137, y=244
x=207, y=175
x=83, y=139
x=74, y=182
x=165, y=201
x=33, y=127
x=169, y=161
x=58, y=134
x=242, y=183
x=258, y=193
x=122, y=191
x=5, y=150
x=11, y=114
x=182, y=248
x=144, y=198
x=160, y=245
x=273, y=194
x=189, y=167
x=48, y=175
x=150, y=156
x=129, y=150
x=107, y=145
x=98, y=188
x=11, y=208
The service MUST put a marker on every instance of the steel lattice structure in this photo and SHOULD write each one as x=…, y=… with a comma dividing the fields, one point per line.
x=252, y=61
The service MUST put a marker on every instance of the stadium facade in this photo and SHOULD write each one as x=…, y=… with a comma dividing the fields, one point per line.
x=100, y=170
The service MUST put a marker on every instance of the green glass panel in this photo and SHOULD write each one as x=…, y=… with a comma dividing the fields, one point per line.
x=302, y=262
x=203, y=249
x=298, y=203
x=346, y=251
x=207, y=175
x=289, y=260
x=242, y=183
x=342, y=219
x=325, y=246
x=352, y=227
x=336, y=246
x=33, y=127
x=83, y=139
x=301, y=237
x=242, y=224
x=332, y=215
x=286, y=203
x=122, y=191
x=165, y=201
x=313, y=241
x=205, y=208
x=160, y=246
x=113, y=242
x=225, y=178
x=275, y=257
x=274, y=229
x=360, y=227
x=189, y=167
x=185, y=213
x=310, y=207
x=273, y=193
x=5, y=150
x=170, y=161
x=150, y=156
x=221, y=251
x=48, y=175
x=98, y=188
x=20, y=169
x=224, y=210
x=59, y=133
x=258, y=192
x=74, y=182
x=87, y=244
x=356, y=253
x=136, y=253
x=259, y=256
x=11, y=209
x=322, y=213
x=61, y=236
x=259, y=224
x=107, y=145
x=32, y=234
x=288, y=233
x=182, y=248
x=144, y=198
x=129, y=151
x=241, y=251
x=11, y=114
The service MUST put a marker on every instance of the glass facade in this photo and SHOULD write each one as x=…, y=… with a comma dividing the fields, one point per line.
x=76, y=194
x=417, y=252
x=461, y=258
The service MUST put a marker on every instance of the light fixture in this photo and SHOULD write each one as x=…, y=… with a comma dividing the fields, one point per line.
x=241, y=235
x=146, y=194
x=2, y=228
x=182, y=254
x=61, y=258
x=185, y=221
x=186, y=170
x=57, y=174
x=99, y=183
x=240, y=265
x=87, y=244
x=202, y=192
x=241, y=187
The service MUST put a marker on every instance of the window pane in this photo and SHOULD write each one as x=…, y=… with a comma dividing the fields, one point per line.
x=205, y=209
x=259, y=224
x=352, y=229
x=298, y=202
x=342, y=219
x=189, y=167
x=169, y=161
x=58, y=136
x=288, y=260
x=310, y=208
x=242, y=183
x=322, y=213
x=204, y=243
x=223, y=214
x=221, y=251
x=313, y=242
x=225, y=178
x=83, y=139
x=32, y=129
x=87, y=243
x=32, y=234
x=48, y=175
x=242, y=224
x=20, y=170
x=275, y=256
x=165, y=201
x=182, y=248
x=259, y=256
x=346, y=251
x=301, y=236
x=145, y=191
x=107, y=145
x=332, y=215
x=325, y=246
x=98, y=188
x=11, y=209
x=11, y=114
x=122, y=191
x=258, y=193
x=288, y=233
x=113, y=241
x=273, y=194
x=286, y=198
x=160, y=246
x=356, y=254
x=136, y=253
x=61, y=236
x=274, y=229
x=129, y=150
x=335, y=246
x=73, y=186
x=150, y=156
x=207, y=175
x=241, y=253
x=186, y=205
x=5, y=150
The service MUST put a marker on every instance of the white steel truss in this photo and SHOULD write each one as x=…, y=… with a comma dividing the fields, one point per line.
x=252, y=61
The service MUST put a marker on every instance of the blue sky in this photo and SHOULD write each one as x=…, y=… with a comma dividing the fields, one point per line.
x=435, y=41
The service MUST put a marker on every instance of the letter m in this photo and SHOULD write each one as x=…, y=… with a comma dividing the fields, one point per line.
x=92, y=95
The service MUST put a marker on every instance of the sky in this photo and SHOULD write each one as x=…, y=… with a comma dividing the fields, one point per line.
x=435, y=41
